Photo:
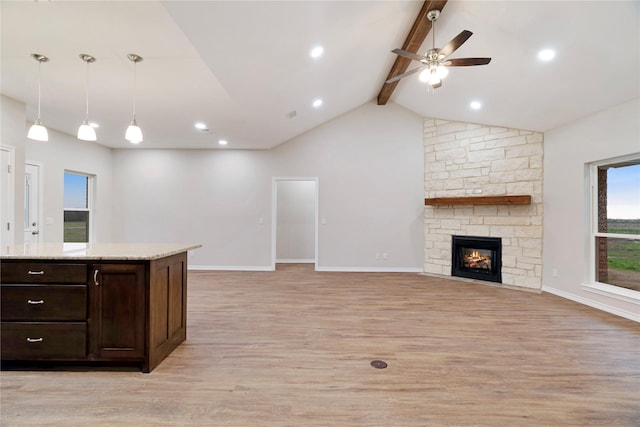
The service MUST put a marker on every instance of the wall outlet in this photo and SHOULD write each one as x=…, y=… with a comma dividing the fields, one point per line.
x=385, y=256
x=554, y=272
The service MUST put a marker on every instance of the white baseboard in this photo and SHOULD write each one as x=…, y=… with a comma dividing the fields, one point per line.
x=600, y=306
x=230, y=268
x=371, y=269
x=295, y=261
x=328, y=269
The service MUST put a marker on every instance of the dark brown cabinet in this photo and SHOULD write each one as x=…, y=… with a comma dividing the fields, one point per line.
x=116, y=307
x=93, y=311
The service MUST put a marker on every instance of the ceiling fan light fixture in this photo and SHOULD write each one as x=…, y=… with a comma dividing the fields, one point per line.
x=434, y=79
x=425, y=76
x=442, y=71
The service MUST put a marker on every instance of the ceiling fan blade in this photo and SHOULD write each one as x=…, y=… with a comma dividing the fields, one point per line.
x=454, y=44
x=409, y=55
x=464, y=62
x=408, y=73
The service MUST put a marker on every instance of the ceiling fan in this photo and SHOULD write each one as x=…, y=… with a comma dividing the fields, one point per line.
x=434, y=62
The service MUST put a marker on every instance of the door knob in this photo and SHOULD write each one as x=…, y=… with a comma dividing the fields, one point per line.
x=34, y=232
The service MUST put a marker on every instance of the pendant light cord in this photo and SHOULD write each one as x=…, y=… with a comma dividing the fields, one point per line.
x=86, y=113
x=39, y=88
x=135, y=63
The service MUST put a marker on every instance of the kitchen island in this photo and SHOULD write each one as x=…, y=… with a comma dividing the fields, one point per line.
x=106, y=303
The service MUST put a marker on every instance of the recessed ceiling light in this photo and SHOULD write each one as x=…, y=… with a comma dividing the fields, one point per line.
x=94, y=125
x=222, y=142
x=546, y=54
x=475, y=105
x=317, y=52
x=200, y=126
x=317, y=103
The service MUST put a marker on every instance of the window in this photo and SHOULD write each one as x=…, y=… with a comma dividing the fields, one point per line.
x=77, y=207
x=616, y=223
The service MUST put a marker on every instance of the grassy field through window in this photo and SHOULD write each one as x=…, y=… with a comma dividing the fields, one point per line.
x=623, y=255
x=76, y=226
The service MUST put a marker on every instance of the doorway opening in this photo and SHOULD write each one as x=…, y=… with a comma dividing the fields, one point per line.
x=295, y=221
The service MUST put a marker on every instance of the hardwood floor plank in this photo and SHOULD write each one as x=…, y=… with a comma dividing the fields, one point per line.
x=293, y=347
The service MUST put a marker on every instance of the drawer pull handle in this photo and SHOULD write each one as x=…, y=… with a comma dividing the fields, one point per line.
x=95, y=277
x=34, y=302
x=35, y=339
x=36, y=273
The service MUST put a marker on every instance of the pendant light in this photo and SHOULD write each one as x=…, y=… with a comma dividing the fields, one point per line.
x=85, y=131
x=134, y=133
x=37, y=131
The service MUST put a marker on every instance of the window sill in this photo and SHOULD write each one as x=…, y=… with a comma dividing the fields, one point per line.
x=622, y=294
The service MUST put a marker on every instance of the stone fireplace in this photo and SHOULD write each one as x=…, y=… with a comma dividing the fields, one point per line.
x=464, y=160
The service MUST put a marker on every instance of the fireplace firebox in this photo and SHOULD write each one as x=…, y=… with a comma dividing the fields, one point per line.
x=477, y=258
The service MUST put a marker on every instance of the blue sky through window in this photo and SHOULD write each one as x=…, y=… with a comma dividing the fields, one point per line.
x=75, y=191
x=623, y=192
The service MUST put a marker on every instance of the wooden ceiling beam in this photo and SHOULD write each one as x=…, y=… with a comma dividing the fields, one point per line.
x=412, y=43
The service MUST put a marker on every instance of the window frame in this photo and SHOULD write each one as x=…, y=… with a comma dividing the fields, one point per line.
x=593, y=284
x=90, y=203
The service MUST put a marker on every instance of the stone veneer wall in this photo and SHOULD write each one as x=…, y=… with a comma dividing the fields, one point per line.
x=462, y=159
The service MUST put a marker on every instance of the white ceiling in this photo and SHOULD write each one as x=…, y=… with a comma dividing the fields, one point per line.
x=242, y=66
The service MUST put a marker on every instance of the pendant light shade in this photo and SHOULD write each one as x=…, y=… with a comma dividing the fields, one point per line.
x=134, y=133
x=37, y=131
x=86, y=132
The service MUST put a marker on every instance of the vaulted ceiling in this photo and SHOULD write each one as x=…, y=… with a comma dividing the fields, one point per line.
x=243, y=67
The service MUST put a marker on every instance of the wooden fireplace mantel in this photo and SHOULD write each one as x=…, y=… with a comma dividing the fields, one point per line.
x=479, y=200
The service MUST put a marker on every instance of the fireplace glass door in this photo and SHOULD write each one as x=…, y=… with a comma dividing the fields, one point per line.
x=477, y=258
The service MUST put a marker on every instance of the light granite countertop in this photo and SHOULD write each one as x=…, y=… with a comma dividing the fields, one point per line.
x=95, y=251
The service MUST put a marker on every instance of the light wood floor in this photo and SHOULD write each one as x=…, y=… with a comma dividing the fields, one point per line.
x=293, y=347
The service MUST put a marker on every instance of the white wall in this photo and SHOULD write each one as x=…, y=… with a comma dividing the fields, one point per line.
x=13, y=134
x=62, y=152
x=369, y=164
x=610, y=133
x=296, y=220
x=65, y=152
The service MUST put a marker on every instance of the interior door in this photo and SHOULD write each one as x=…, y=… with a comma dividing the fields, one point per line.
x=31, y=203
x=6, y=195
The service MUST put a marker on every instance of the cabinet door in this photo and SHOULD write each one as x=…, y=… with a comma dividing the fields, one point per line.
x=116, y=314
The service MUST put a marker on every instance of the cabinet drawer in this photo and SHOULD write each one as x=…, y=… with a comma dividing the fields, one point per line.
x=43, y=302
x=43, y=272
x=33, y=340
